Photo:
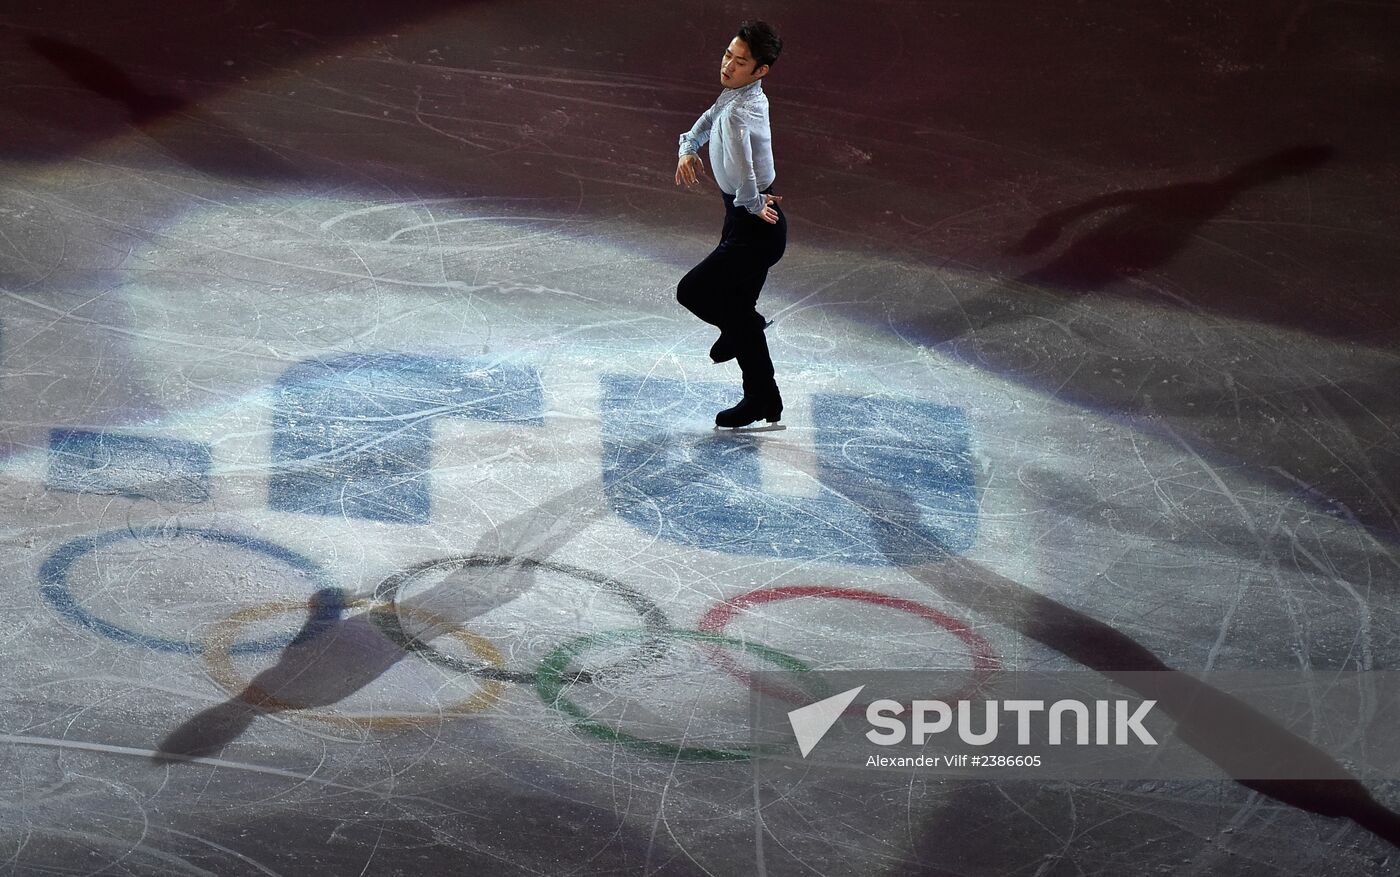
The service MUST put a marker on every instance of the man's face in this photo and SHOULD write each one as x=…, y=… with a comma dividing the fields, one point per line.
x=737, y=69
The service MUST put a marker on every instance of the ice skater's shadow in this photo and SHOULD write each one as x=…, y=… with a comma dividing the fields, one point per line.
x=1251, y=739
x=1154, y=224
x=1146, y=229
x=196, y=138
x=335, y=655
x=330, y=658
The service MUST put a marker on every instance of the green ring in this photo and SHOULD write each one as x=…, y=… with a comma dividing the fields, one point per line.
x=551, y=684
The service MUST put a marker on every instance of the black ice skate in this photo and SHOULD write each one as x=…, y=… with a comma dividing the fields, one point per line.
x=751, y=409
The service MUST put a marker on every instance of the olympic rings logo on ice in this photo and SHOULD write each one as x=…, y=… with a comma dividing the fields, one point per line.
x=552, y=679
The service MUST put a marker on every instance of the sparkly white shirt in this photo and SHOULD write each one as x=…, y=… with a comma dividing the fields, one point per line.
x=741, y=144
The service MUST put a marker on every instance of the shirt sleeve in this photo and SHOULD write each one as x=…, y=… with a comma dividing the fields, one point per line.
x=699, y=133
x=738, y=154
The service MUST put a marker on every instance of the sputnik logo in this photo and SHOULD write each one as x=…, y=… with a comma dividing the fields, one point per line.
x=810, y=723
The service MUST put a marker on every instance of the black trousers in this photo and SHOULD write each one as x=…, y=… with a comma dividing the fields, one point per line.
x=723, y=289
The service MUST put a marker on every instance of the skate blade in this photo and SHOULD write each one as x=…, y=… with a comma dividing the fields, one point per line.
x=767, y=427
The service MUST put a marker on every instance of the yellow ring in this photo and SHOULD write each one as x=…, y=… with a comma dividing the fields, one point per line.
x=224, y=633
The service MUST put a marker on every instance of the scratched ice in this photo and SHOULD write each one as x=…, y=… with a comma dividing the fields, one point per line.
x=361, y=510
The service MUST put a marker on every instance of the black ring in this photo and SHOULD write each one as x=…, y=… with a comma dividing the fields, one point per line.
x=386, y=619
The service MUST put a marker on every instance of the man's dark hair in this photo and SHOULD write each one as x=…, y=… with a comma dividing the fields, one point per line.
x=763, y=42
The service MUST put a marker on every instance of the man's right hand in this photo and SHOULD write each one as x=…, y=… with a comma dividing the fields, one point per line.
x=689, y=170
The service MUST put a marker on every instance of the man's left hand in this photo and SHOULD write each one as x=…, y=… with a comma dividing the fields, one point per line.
x=768, y=214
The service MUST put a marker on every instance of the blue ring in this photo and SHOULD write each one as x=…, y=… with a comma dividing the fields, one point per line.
x=54, y=578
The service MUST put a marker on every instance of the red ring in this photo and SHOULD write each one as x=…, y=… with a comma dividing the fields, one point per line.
x=984, y=661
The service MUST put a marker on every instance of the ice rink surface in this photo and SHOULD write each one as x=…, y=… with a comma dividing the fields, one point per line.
x=360, y=502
